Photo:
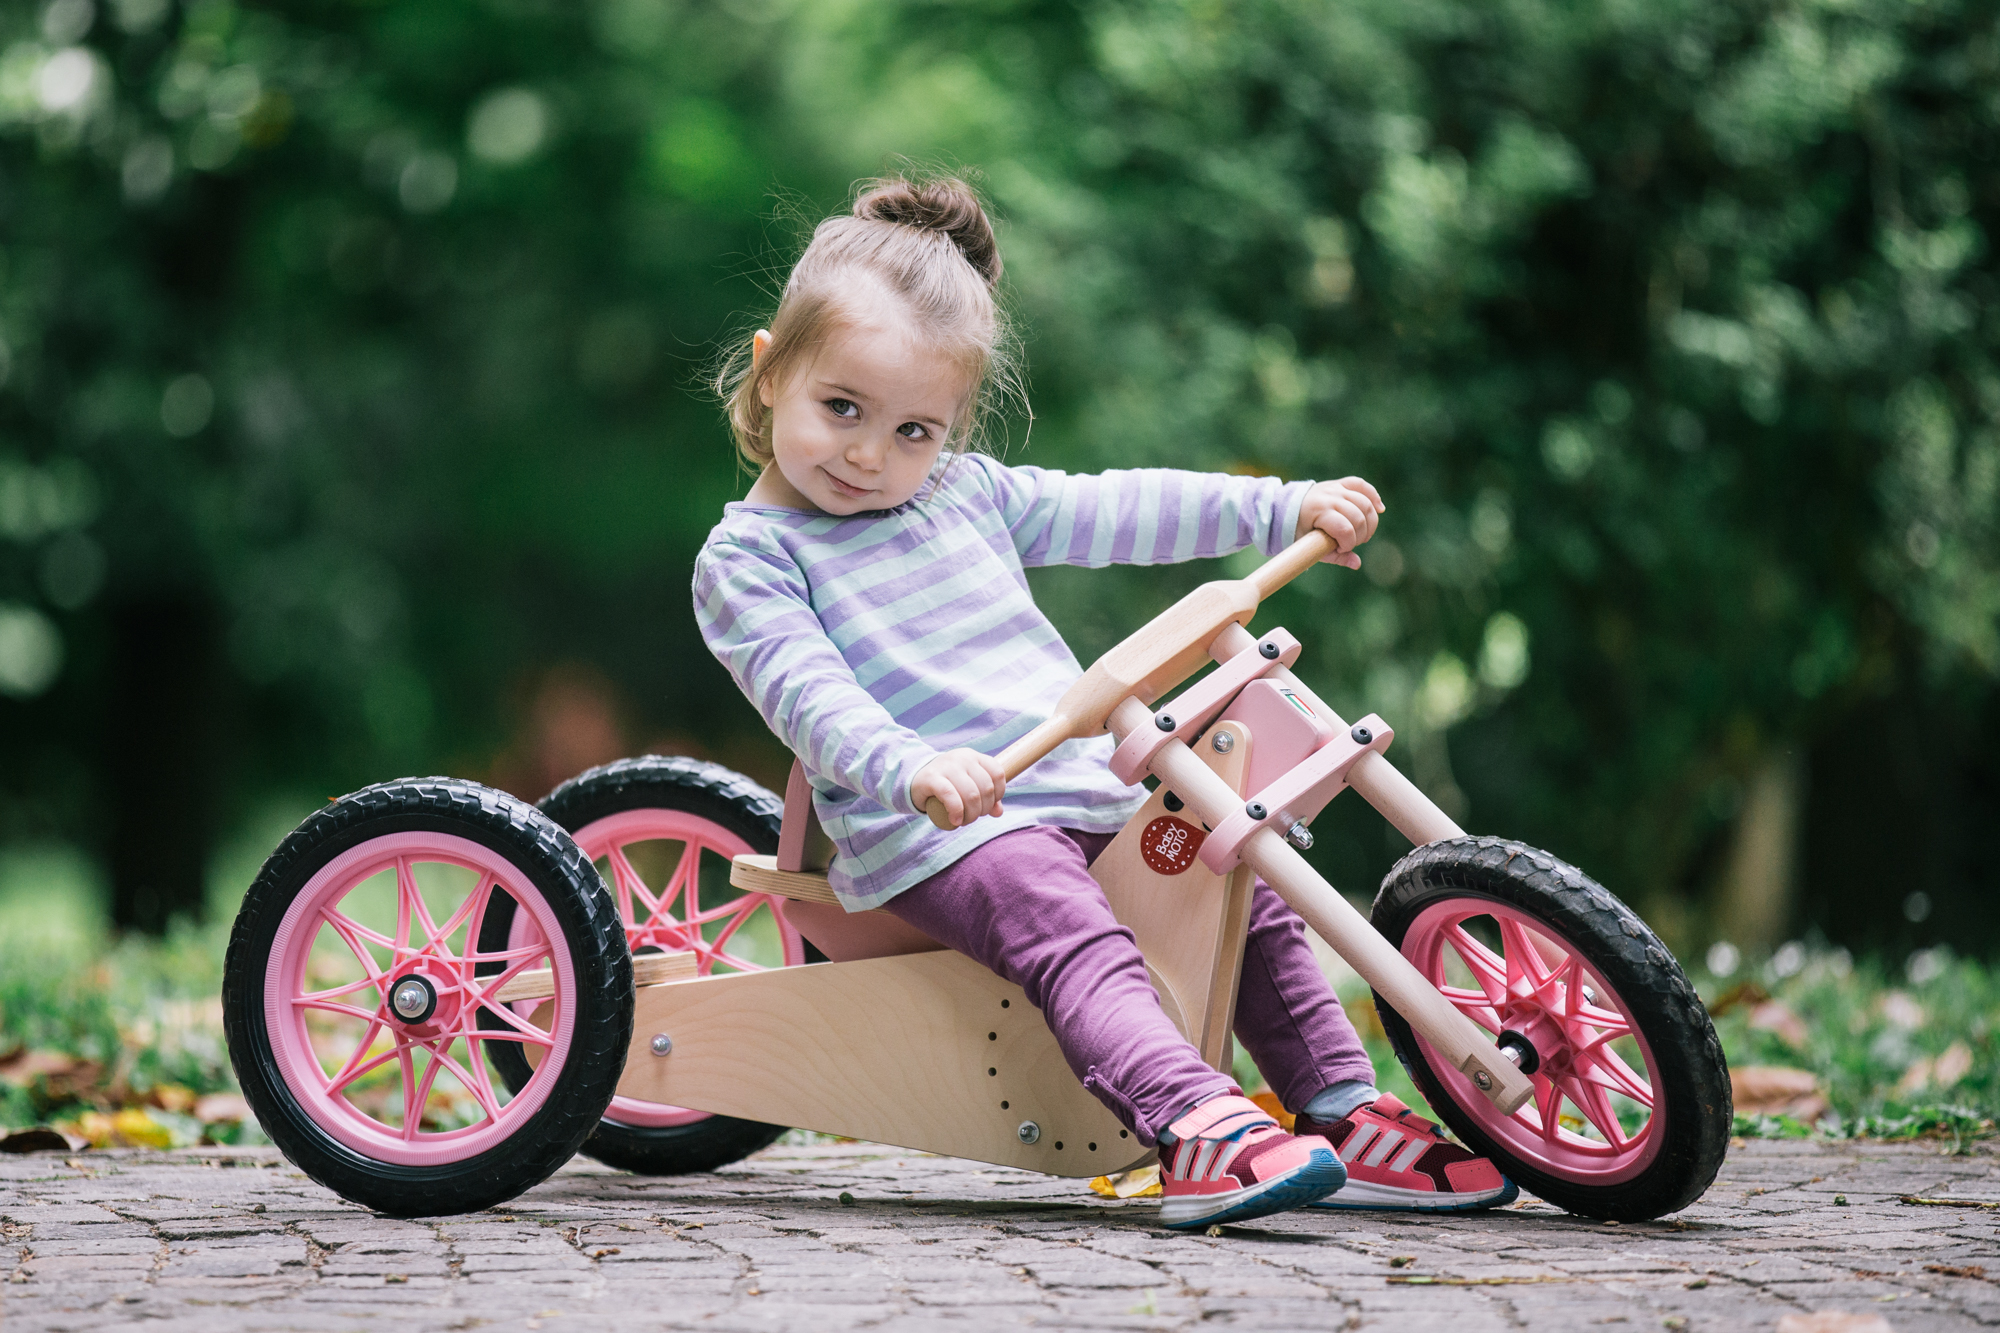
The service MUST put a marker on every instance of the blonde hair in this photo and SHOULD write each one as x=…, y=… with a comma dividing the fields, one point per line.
x=928, y=241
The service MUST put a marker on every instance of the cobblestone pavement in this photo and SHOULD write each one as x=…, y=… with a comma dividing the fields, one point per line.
x=853, y=1236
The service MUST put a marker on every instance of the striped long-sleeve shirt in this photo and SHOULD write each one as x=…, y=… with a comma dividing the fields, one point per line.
x=873, y=643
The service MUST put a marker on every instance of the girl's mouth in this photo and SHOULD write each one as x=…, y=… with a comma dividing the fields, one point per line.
x=842, y=488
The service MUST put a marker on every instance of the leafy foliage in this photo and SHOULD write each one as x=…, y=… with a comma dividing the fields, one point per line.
x=350, y=348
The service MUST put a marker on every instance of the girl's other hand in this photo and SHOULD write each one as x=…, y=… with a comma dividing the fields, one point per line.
x=966, y=783
x=1347, y=511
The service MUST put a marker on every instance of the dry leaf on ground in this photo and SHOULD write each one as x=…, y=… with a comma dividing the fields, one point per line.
x=220, y=1106
x=1777, y=1018
x=1942, y=1072
x=1776, y=1090
x=1834, y=1321
x=1275, y=1109
x=1139, y=1183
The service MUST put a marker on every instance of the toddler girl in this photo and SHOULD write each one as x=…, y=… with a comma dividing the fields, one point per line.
x=868, y=597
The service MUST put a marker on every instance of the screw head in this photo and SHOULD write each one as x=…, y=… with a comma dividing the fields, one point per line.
x=1269, y=650
x=1029, y=1132
x=1255, y=810
x=1165, y=722
x=413, y=999
x=1223, y=742
x=1482, y=1080
x=1361, y=734
x=662, y=1044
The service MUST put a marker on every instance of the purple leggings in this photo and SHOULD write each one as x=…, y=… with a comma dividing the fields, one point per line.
x=1026, y=906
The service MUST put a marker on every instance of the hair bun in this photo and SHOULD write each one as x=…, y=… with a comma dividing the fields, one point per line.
x=946, y=204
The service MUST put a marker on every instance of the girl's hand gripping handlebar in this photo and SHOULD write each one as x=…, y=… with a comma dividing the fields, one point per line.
x=1158, y=656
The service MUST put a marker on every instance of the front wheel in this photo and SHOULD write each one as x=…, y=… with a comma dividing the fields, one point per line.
x=1632, y=1110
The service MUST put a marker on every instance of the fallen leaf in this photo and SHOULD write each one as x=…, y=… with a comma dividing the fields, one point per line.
x=1834, y=1321
x=1957, y=1270
x=39, y=1139
x=1139, y=1183
x=1742, y=993
x=140, y=1130
x=1776, y=1090
x=217, y=1107
x=173, y=1097
x=1777, y=1018
x=1275, y=1109
x=1943, y=1071
x=1951, y=1203
x=24, y=1067
x=1420, y=1280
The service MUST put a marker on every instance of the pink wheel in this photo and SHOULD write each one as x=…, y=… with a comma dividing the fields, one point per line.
x=1631, y=1111
x=662, y=832
x=367, y=1015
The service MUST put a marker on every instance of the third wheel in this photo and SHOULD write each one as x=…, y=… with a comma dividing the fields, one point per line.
x=1632, y=1110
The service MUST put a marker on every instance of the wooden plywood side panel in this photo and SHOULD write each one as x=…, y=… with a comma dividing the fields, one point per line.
x=889, y=1050
x=1189, y=925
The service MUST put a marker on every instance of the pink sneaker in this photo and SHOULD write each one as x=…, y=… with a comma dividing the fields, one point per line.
x=1397, y=1159
x=1233, y=1162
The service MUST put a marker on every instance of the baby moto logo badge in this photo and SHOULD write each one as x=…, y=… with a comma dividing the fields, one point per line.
x=1168, y=844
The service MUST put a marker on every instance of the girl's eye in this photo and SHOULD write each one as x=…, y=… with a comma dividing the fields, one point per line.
x=841, y=407
x=913, y=430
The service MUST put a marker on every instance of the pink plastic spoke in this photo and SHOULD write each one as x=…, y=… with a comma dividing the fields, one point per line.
x=484, y=1092
x=406, y=881
x=476, y=899
x=1607, y=1070
x=413, y=1127
x=735, y=924
x=441, y=1054
x=348, y=989
x=1473, y=1005
x=1548, y=1101
x=353, y=1070
x=685, y=885
x=1596, y=1107
x=352, y=933
x=412, y=1113
x=632, y=890
x=1524, y=960
x=1609, y=1022
x=535, y=950
x=1487, y=969
x=333, y=1007
x=518, y=1028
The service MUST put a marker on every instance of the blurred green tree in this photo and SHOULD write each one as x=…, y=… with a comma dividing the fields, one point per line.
x=350, y=350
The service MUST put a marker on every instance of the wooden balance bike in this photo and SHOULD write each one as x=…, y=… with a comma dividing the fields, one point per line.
x=436, y=993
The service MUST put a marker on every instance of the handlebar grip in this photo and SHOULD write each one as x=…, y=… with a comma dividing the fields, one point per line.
x=1291, y=562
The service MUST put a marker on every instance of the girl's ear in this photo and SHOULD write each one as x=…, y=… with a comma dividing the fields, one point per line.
x=760, y=343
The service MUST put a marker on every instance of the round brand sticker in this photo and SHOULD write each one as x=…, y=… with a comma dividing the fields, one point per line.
x=1169, y=844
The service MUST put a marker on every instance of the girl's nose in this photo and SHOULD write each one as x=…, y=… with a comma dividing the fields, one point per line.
x=867, y=453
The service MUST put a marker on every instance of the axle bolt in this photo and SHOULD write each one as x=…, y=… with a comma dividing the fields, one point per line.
x=413, y=999
x=1482, y=1080
x=1361, y=734
x=1223, y=742
x=662, y=1044
x=1029, y=1132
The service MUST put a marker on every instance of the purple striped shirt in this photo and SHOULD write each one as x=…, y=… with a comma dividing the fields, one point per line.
x=872, y=643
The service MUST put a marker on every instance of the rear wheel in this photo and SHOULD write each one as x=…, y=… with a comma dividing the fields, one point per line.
x=364, y=1007
x=1631, y=1113
x=662, y=832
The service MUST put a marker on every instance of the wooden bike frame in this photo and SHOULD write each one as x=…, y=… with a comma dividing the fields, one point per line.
x=899, y=1041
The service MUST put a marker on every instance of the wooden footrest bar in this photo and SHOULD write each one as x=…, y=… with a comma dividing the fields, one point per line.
x=648, y=969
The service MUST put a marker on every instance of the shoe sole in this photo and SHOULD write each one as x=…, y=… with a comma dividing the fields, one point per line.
x=1361, y=1196
x=1303, y=1186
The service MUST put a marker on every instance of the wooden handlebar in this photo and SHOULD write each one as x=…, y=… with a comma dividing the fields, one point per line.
x=1156, y=657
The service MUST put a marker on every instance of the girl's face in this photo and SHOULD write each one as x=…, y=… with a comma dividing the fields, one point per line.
x=858, y=428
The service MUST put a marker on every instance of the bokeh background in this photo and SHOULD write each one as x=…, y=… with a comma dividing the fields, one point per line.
x=352, y=421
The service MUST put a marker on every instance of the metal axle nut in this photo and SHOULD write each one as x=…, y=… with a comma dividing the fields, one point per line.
x=1223, y=742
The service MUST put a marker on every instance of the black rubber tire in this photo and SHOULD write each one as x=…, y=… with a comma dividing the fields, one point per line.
x=1694, y=1078
x=542, y=852
x=746, y=809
